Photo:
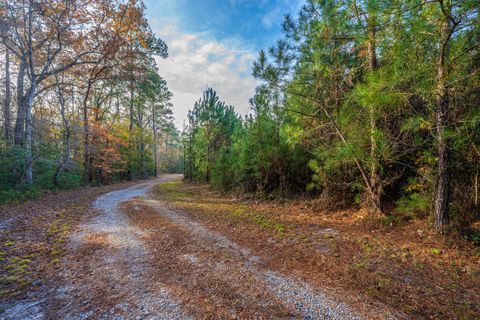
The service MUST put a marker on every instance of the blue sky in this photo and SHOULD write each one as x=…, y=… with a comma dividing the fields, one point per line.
x=213, y=43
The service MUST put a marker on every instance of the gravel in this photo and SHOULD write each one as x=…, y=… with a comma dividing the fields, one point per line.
x=293, y=293
x=117, y=268
x=311, y=304
x=124, y=263
x=25, y=310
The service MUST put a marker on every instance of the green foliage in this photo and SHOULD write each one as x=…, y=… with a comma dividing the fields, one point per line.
x=252, y=154
x=69, y=180
x=413, y=204
x=11, y=167
x=12, y=186
x=475, y=237
x=109, y=121
x=348, y=109
x=15, y=196
x=360, y=91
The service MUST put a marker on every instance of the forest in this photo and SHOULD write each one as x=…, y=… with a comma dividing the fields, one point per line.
x=82, y=100
x=346, y=186
x=361, y=103
x=370, y=104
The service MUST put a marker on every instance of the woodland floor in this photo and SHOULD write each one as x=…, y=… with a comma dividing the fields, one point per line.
x=163, y=249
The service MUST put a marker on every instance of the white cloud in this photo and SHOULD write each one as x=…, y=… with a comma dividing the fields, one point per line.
x=196, y=62
x=275, y=15
x=271, y=18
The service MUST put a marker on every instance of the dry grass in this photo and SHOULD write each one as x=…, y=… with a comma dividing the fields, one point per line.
x=408, y=268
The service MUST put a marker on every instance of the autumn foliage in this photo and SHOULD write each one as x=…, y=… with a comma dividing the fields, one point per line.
x=85, y=102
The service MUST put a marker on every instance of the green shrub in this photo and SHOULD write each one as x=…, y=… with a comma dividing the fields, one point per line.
x=45, y=165
x=70, y=180
x=15, y=196
x=7, y=196
x=413, y=204
x=11, y=167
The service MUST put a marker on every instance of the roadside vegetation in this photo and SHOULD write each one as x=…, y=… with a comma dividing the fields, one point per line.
x=82, y=100
x=362, y=104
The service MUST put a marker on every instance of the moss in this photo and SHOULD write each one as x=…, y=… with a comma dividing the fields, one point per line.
x=19, y=270
x=8, y=267
x=3, y=294
x=10, y=279
x=56, y=252
x=24, y=262
x=9, y=244
x=280, y=228
x=178, y=191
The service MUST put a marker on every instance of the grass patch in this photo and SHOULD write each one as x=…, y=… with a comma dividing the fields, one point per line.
x=15, y=270
x=172, y=191
x=182, y=194
x=259, y=220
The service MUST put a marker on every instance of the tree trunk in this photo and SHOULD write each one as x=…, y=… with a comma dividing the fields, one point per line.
x=130, y=129
x=475, y=192
x=131, y=111
x=142, y=158
x=372, y=64
x=21, y=108
x=371, y=43
x=207, y=177
x=65, y=159
x=154, y=127
x=86, y=139
x=29, y=133
x=155, y=159
x=7, y=101
x=141, y=146
x=190, y=158
x=441, y=117
x=443, y=183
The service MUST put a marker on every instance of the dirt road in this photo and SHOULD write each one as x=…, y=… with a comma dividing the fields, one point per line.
x=140, y=259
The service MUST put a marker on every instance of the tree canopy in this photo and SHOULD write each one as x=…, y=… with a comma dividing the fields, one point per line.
x=367, y=103
x=88, y=104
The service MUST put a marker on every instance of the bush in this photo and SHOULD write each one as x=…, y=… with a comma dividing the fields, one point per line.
x=12, y=173
x=69, y=180
x=7, y=196
x=11, y=167
x=15, y=196
x=413, y=204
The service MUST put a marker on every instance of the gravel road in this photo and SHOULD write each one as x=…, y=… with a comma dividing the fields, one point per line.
x=119, y=265
x=104, y=275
